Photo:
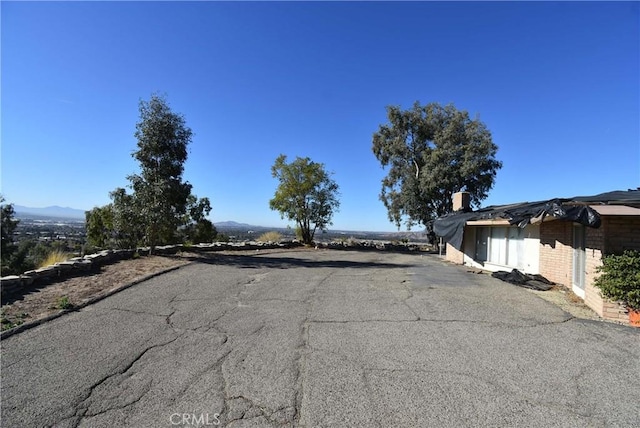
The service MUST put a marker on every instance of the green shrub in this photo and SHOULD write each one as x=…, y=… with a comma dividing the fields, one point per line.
x=620, y=278
x=63, y=303
x=8, y=324
x=221, y=237
x=270, y=237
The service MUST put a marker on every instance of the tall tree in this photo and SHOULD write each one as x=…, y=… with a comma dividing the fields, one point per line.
x=431, y=152
x=161, y=208
x=99, y=226
x=197, y=228
x=306, y=194
x=9, y=225
x=160, y=194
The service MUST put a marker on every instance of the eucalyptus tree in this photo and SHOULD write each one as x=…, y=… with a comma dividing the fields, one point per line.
x=160, y=193
x=197, y=228
x=306, y=195
x=99, y=226
x=9, y=225
x=161, y=202
x=431, y=152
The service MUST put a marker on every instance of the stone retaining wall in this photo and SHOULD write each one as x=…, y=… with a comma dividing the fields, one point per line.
x=376, y=245
x=93, y=262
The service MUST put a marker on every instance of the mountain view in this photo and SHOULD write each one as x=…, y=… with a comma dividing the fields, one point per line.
x=52, y=211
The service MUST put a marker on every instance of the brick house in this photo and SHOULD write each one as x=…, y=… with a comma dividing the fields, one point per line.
x=561, y=239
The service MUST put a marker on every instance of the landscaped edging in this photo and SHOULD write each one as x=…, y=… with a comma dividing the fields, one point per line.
x=31, y=324
x=92, y=262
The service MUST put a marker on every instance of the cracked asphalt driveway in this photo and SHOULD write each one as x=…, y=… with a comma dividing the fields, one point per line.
x=321, y=338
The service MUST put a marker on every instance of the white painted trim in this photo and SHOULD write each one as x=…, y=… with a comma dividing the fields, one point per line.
x=489, y=222
x=580, y=292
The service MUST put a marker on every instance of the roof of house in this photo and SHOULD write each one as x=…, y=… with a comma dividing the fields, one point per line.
x=622, y=210
x=617, y=197
x=580, y=209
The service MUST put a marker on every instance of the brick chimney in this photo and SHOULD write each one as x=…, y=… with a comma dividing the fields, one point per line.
x=461, y=201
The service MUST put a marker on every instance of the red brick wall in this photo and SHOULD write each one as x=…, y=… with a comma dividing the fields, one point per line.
x=622, y=233
x=619, y=233
x=594, y=247
x=453, y=255
x=556, y=254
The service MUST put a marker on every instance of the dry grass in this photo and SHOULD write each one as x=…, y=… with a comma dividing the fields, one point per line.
x=54, y=257
x=270, y=237
x=39, y=302
x=568, y=293
x=573, y=297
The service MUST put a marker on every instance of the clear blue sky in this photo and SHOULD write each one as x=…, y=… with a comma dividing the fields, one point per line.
x=556, y=83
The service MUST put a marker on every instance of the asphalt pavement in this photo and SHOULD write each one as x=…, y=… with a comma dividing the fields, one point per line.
x=319, y=338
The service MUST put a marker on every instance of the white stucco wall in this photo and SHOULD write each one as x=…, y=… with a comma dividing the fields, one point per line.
x=531, y=262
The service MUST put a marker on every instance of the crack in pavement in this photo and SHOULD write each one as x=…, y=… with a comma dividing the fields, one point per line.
x=82, y=407
x=303, y=349
x=435, y=320
x=217, y=365
x=239, y=407
x=563, y=407
x=168, y=319
x=36, y=353
x=274, y=299
x=406, y=285
x=579, y=399
x=244, y=409
x=131, y=311
x=146, y=389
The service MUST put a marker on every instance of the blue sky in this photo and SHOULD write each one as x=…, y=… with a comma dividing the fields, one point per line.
x=557, y=84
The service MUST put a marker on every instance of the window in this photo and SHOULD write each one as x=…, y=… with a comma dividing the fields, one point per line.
x=482, y=243
x=501, y=245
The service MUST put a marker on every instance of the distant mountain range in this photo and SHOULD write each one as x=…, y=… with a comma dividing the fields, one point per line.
x=75, y=214
x=53, y=211
x=236, y=225
x=57, y=212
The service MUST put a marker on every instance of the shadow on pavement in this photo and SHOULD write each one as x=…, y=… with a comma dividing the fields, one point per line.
x=259, y=261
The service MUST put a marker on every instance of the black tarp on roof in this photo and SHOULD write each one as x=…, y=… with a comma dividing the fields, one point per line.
x=617, y=197
x=451, y=226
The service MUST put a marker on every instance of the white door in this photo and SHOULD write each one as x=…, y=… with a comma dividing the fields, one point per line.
x=578, y=260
